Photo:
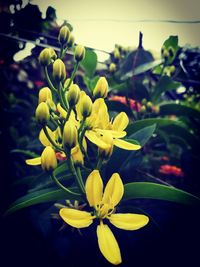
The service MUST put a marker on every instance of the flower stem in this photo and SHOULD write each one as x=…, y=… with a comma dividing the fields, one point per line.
x=62, y=186
x=99, y=163
x=68, y=114
x=50, y=140
x=78, y=179
x=72, y=76
x=61, y=97
x=49, y=80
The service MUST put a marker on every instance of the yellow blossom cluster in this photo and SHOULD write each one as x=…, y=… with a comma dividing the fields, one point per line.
x=71, y=122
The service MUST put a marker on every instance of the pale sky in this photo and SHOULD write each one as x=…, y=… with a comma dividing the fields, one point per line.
x=101, y=24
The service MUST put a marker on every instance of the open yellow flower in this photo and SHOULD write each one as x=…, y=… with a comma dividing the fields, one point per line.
x=100, y=124
x=104, y=204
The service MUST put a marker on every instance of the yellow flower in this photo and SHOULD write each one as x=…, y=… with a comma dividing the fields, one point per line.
x=44, y=95
x=64, y=35
x=59, y=70
x=104, y=204
x=42, y=113
x=101, y=88
x=79, y=53
x=70, y=135
x=100, y=124
x=48, y=159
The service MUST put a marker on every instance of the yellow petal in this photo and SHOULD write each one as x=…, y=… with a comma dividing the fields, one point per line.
x=128, y=221
x=76, y=218
x=100, y=113
x=61, y=110
x=108, y=244
x=93, y=137
x=125, y=145
x=114, y=190
x=44, y=140
x=120, y=122
x=115, y=134
x=94, y=188
x=34, y=162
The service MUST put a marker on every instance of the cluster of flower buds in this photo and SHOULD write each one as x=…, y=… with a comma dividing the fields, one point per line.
x=71, y=122
x=148, y=107
x=65, y=37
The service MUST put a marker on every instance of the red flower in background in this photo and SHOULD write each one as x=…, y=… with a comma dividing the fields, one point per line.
x=170, y=169
x=133, y=104
x=39, y=83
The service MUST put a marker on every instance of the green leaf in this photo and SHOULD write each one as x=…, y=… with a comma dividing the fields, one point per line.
x=89, y=63
x=170, y=127
x=172, y=42
x=137, y=125
x=90, y=82
x=41, y=196
x=157, y=191
x=142, y=136
x=165, y=84
x=28, y=153
x=178, y=110
x=132, y=141
x=142, y=68
x=185, y=134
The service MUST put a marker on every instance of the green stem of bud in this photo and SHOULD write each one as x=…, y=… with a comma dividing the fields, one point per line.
x=74, y=173
x=72, y=76
x=81, y=136
x=50, y=140
x=55, y=123
x=61, y=97
x=68, y=114
x=78, y=170
x=99, y=163
x=62, y=186
x=61, y=52
x=50, y=84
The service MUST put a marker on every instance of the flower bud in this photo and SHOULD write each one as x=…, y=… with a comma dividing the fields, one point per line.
x=77, y=156
x=52, y=53
x=42, y=113
x=144, y=101
x=69, y=135
x=86, y=106
x=59, y=70
x=106, y=153
x=143, y=109
x=66, y=83
x=73, y=95
x=101, y=88
x=112, y=67
x=149, y=105
x=48, y=159
x=79, y=53
x=44, y=95
x=71, y=40
x=45, y=57
x=64, y=34
x=116, y=53
x=156, y=109
x=172, y=69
